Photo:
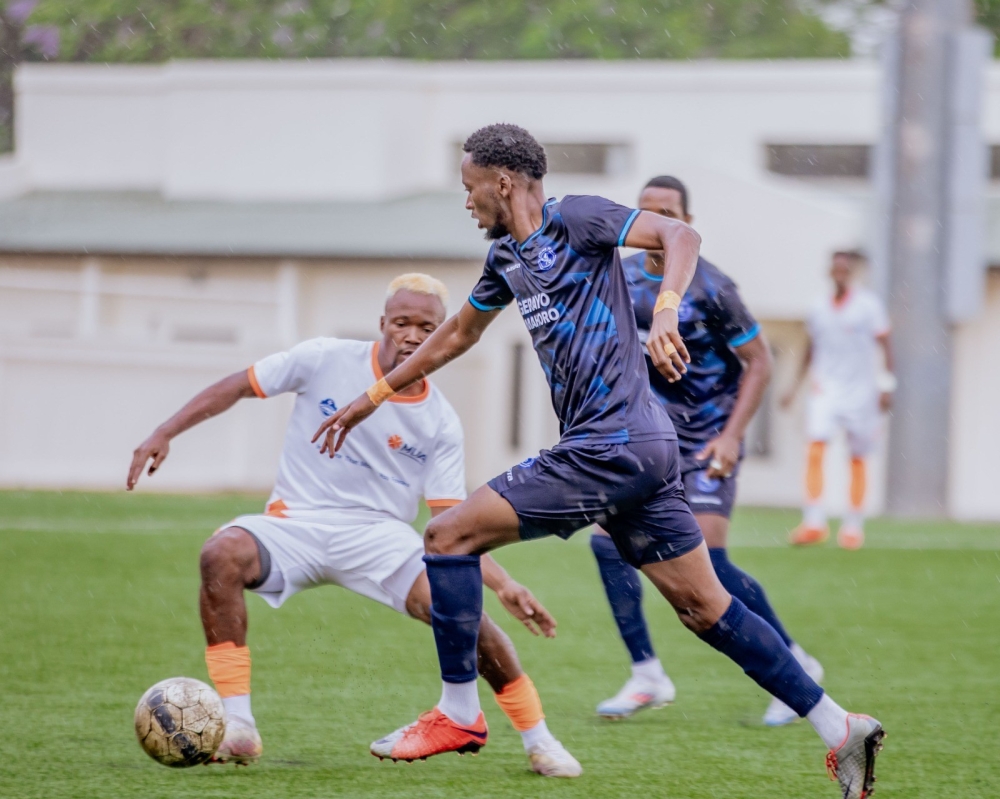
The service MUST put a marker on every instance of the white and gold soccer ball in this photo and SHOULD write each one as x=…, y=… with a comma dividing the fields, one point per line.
x=180, y=722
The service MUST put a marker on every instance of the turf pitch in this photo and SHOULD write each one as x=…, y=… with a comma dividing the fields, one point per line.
x=98, y=599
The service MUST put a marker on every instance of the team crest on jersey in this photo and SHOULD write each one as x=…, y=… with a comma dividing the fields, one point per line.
x=546, y=259
x=706, y=483
x=396, y=444
x=327, y=407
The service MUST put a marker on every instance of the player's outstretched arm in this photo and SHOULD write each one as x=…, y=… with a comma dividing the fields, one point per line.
x=723, y=451
x=212, y=401
x=445, y=344
x=518, y=600
x=679, y=244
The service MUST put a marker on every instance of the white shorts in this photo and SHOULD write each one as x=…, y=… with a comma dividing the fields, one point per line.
x=859, y=418
x=377, y=557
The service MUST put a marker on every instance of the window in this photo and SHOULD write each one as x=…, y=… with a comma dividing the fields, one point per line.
x=819, y=160
x=581, y=158
x=204, y=334
x=587, y=159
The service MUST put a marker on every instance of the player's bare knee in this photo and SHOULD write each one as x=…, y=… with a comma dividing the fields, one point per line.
x=418, y=610
x=224, y=558
x=695, y=613
x=445, y=537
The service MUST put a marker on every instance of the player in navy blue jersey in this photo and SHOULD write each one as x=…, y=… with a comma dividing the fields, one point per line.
x=617, y=461
x=710, y=409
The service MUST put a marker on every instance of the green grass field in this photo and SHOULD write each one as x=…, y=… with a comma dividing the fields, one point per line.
x=98, y=601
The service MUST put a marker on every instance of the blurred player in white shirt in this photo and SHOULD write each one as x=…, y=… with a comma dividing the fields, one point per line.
x=347, y=521
x=849, y=365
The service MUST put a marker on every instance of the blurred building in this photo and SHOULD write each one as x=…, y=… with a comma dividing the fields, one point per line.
x=161, y=226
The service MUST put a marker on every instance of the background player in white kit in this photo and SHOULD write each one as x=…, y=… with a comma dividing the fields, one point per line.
x=849, y=386
x=346, y=521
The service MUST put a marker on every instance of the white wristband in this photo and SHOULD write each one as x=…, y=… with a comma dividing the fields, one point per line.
x=886, y=382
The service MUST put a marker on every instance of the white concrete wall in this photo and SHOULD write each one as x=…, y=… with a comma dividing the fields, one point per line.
x=974, y=469
x=95, y=352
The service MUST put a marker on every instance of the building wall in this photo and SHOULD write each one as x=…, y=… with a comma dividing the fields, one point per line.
x=974, y=475
x=141, y=335
x=370, y=130
x=95, y=352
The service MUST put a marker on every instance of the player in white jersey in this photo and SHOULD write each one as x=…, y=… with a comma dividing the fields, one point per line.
x=347, y=521
x=849, y=364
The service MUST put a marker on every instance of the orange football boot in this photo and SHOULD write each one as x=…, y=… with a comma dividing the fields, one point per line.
x=431, y=734
x=851, y=536
x=806, y=535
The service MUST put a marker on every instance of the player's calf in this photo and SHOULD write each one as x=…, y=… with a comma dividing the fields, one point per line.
x=229, y=562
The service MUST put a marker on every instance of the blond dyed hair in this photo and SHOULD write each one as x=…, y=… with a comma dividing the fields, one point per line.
x=418, y=283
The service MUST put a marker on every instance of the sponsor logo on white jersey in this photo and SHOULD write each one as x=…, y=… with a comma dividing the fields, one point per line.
x=396, y=444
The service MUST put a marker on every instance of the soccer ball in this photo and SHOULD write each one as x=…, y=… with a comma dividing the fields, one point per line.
x=180, y=722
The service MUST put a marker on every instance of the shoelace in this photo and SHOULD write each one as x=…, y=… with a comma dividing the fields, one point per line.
x=436, y=721
x=831, y=764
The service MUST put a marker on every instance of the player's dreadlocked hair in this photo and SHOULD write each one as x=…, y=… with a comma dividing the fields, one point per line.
x=670, y=182
x=509, y=147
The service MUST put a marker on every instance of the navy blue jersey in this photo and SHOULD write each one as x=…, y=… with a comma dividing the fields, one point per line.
x=713, y=321
x=572, y=294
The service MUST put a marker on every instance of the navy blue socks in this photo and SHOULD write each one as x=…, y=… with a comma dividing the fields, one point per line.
x=624, y=590
x=740, y=584
x=747, y=639
x=456, y=611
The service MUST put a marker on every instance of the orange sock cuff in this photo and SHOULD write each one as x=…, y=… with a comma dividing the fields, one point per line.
x=229, y=668
x=520, y=702
x=859, y=483
x=814, y=470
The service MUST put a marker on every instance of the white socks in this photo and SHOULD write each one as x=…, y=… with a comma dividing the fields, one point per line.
x=536, y=735
x=854, y=518
x=798, y=653
x=460, y=701
x=829, y=720
x=813, y=515
x=651, y=670
x=238, y=709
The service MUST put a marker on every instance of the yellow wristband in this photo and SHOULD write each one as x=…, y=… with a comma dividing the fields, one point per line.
x=380, y=392
x=667, y=299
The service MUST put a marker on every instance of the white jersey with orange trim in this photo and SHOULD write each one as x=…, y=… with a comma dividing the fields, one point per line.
x=411, y=447
x=845, y=352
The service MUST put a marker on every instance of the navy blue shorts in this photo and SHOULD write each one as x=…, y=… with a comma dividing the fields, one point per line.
x=632, y=490
x=715, y=495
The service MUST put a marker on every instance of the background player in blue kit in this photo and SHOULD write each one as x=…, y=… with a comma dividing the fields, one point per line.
x=617, y=461
x=710, y=409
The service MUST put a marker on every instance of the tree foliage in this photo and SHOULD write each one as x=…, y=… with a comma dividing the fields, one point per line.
x=156, y=30
x=988, y=15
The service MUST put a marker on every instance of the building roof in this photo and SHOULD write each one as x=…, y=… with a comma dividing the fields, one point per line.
x=428, y=226
x=431, y=226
